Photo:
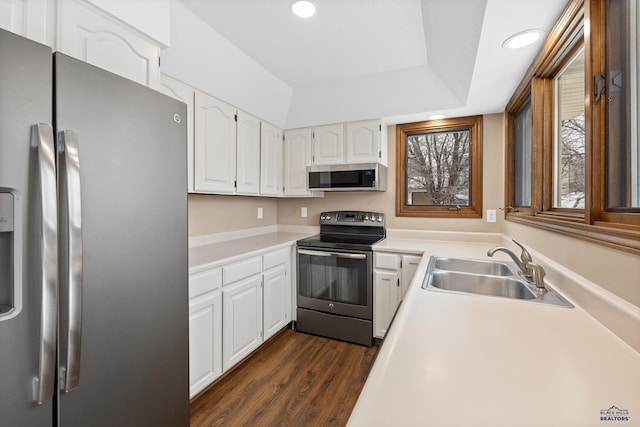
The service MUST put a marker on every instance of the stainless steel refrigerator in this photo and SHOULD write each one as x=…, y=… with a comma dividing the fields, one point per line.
x=93, y=246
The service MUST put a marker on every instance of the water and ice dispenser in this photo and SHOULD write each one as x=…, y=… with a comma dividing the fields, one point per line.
x=10, y=298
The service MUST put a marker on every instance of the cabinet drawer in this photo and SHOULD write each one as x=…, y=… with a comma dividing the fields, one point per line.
x=205, y=281
x=387, y=261
x=241, y=269
x=274, y=258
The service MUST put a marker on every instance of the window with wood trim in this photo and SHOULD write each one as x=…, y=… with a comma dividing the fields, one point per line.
x=578, y=107
x=439, y=168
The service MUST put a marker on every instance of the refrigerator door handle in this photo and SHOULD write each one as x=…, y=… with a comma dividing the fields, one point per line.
x=70, y=200
x=42, y=140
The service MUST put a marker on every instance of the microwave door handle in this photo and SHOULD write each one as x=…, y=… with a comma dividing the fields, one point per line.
x=42, y=141
x=332, y=254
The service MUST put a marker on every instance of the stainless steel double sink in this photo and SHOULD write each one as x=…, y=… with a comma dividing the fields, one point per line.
x=487, y=278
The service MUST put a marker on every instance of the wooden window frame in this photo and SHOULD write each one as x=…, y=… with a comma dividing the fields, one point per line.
x=474, y=210
x=594, y=224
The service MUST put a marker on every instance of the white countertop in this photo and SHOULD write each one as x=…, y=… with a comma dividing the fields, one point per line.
x=464, y=360
x=208, y=256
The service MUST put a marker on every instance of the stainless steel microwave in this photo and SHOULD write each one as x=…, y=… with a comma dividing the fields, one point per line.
x=356, y=177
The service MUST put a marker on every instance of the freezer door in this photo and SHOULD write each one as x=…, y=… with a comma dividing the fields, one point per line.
x=131, y=149
x=25, y=100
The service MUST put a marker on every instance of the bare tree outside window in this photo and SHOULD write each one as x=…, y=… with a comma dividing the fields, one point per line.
x=572, y=160
x=570, y=141
x=438, y=168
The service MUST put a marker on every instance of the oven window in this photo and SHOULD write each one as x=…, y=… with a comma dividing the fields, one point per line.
x=333, y=278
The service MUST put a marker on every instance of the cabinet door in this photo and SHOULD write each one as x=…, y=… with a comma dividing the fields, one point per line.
x=184, y=93
x=248, y=154
x=271, y=162
x=32, y=19
x=205, y=341
x=297, y=156
x=215, y=145
x=328, y=145
x=242, y=326
x=363, y=142
x=98, y=39
x=277, y=288
x=385, y=301
x=409, y=265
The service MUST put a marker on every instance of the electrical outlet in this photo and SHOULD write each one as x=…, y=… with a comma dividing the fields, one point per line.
x=259, y=213
x=303, y=212
x=491, y=215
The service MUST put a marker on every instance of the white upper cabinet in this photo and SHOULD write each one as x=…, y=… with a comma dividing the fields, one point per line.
x=349, y=143
x=271, y=163
x=248, y=154
x=32, y=19
x=297, y=156
x=328, y=145
x=95, y=37
x=215, y=145
x=184, y=93
x=363, y=142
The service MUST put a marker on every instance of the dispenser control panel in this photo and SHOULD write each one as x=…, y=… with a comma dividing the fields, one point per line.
x=6, y=212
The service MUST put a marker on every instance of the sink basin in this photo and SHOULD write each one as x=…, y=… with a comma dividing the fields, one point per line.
x=493, y=268
x=487, y=278
x=497, y=286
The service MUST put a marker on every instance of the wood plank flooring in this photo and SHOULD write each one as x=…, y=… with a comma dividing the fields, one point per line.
x=294, y=379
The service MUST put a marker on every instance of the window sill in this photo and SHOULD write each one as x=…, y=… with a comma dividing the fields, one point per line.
x=627, y=239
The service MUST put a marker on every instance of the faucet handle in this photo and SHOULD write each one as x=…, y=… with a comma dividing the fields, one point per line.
x=538, y=276
x=525, y=256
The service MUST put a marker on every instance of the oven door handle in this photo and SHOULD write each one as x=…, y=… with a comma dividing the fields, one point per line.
x=333, y=254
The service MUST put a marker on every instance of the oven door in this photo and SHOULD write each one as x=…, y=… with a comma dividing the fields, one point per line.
x=336, y=281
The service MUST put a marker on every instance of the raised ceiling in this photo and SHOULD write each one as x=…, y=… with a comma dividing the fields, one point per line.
x=396, y=59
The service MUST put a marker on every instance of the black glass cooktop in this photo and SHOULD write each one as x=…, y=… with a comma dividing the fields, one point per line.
x=341, y=241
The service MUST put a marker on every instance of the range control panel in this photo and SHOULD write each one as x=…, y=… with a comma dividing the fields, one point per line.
x=363, y=218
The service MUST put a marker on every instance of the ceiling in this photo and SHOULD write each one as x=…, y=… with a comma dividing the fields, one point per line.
x=447, y=52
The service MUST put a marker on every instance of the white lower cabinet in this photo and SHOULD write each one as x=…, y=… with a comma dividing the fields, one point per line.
x=408, y=267
x=385, y=300
x=205, y=329
x=277, y=286
x=242, y=320
x=205, y=342
x=234, y=308
x=391, y=278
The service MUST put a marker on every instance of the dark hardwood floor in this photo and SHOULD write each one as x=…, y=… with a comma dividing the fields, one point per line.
x=294, y=379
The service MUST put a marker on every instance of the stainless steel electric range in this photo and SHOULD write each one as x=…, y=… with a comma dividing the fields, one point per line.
x=335, y=276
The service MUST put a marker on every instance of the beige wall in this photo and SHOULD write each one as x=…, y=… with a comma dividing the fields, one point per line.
x=493, y=131
x=618, y=272
x=215, y=214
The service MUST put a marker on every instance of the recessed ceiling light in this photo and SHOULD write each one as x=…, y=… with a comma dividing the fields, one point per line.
x=522, y=39
x=303, y=8
x=436, y=117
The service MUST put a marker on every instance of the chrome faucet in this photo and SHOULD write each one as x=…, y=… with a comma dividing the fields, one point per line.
x=530, y=271
x=522, y=262
x=538, y=277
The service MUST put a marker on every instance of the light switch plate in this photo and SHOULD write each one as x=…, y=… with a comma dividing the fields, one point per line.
x=491, y=215
x=303, y=212
x=259, y=213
